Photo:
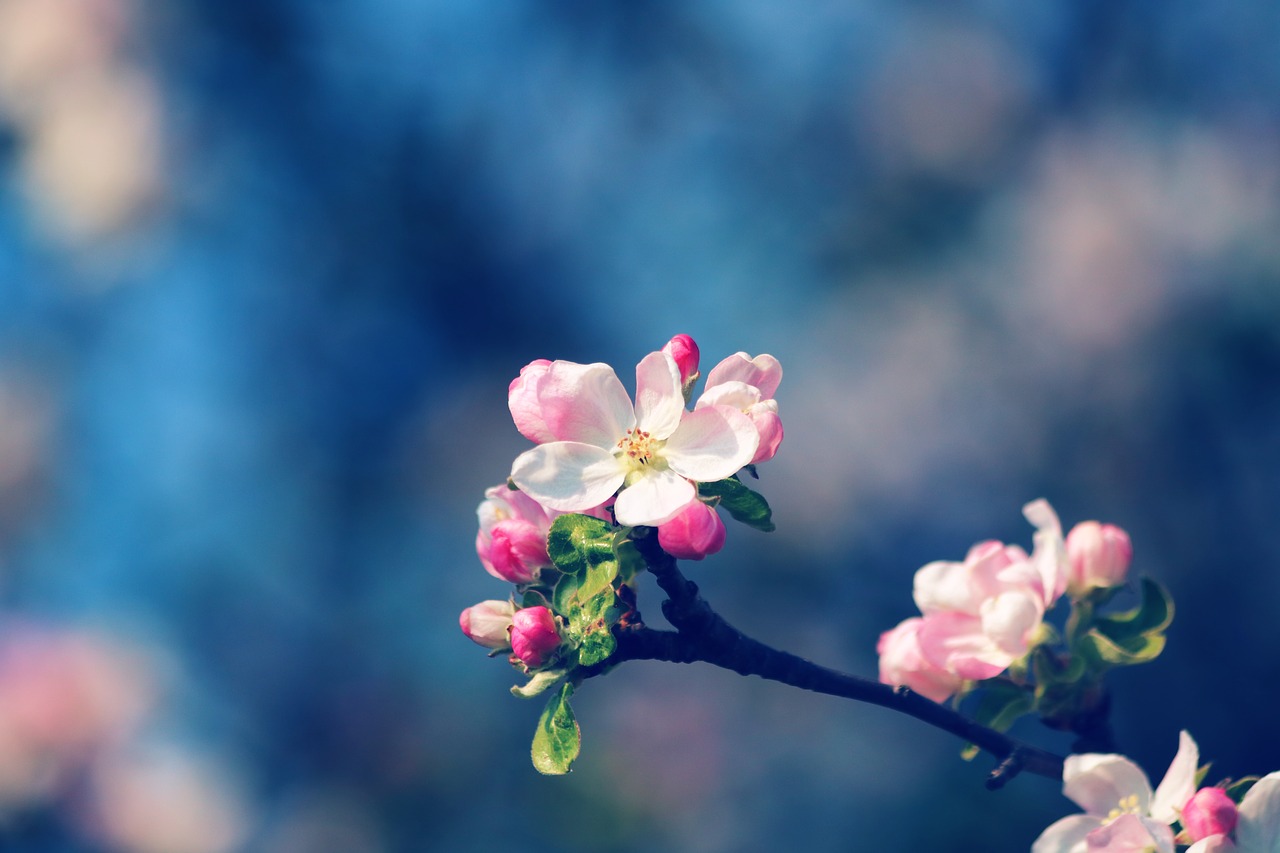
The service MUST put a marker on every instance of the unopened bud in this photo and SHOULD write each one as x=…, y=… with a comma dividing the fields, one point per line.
x=1209, y=812
x=488, y=623
x=693, y=534
x=1098, y=555
x=534, y=635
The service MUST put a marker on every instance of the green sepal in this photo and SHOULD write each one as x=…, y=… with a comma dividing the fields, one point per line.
x=1237, y=789
x=558, y=739
x=1153, y=614
x=541, y=682
x=1002, y=703
x=742, y=503
x=1132, y=650
x=576, y=541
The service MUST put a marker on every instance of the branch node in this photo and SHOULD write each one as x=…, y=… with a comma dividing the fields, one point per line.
x=1006, y=770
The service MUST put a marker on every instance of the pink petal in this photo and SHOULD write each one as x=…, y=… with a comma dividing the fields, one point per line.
x=1050, y=552
x=763, y=371
x=1098, y=782
x=902, y=663
x=1214, y=844
x=522, y=399
x=654, y=498
x=769, y=426
x=1009, y=618
x=1064, y=836
x=1179, y=782
x=586, y=403
x=568, y=475
x=659, y=400
x=711, y=444
x=955, y=642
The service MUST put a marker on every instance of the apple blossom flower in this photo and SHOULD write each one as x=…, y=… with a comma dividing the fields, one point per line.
x=488, y=623
x=512, y=540
x=534, y=635
x=748, y=384
x=1098, y=555
x=694, y=533
x=986, y=612
x=684, y=351
x=903, y=664
x=1121, y=811
x=1209, y=812
x=653, y=451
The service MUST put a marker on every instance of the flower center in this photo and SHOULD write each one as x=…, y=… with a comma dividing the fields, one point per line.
x=1127, y=805
x=639, y=446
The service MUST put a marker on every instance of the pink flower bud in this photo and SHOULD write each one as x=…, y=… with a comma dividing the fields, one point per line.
x=693, y=534
x=1209, y=812
x=534, y=635
x=512, y=540
x=1098, y=556
x=685, y=352
x=902, y=663
x=522, y=399
x=488, y=623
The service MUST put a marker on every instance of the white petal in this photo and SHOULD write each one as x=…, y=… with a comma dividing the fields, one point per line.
x=568, y=475
x=1259, y=828
x=1213, y=844
x=1066, y=835
x=1049, y=553
x=654, y=498
x=763, y=371
x=1179, y=782
x=738, y=395
x=585, y=402
x=659, y=401
x=1098, y=782
x=945, y=585
x=711, y=444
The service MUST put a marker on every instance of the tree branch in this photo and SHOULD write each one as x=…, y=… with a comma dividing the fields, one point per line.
x=703, y=635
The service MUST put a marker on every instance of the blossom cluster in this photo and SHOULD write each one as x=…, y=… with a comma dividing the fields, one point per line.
x=982, y=615
x=1122, y=813
x=648, y=462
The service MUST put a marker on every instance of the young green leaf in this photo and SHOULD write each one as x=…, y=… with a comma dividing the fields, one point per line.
x=557, y=740
x=742, y=503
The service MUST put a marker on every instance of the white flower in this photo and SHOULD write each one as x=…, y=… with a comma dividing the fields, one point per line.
x=654, y=451
x=1121, y=812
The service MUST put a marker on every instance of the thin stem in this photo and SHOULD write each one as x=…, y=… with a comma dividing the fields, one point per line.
x=703, y=635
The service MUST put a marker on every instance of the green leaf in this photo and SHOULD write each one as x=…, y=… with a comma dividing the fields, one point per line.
x=1153, y=614
x=742, y=503
x=557, y=740
x=596, y=647
x=577, y=541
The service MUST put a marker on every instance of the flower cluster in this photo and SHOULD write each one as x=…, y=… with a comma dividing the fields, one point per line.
x=983, y=623
x=1122, y=813
x=607, y=468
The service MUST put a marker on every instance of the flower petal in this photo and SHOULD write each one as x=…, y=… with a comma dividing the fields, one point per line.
x=1050, y=551
x=1066, y=835
x=657, y=496
x=734, y=393
x=763, y=371
x=711, y=444
x=1098, y=782
x=943, y=585
x=522, y=399
x=1130, y=833
x=568, y=475
x=586, y=403
x=1214, y=844
x=659, y=400
x=1179, y=782
x=1259, y=828
x=955, y=642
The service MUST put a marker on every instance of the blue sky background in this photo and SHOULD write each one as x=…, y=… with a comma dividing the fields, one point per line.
x=1003, y=251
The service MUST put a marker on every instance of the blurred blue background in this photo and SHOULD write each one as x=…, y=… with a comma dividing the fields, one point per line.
x=266, y=269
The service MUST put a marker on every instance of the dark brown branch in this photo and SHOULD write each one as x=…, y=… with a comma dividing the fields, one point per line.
x=703, y=635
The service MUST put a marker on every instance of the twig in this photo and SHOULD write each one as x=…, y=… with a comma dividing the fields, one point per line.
x=703, y=635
